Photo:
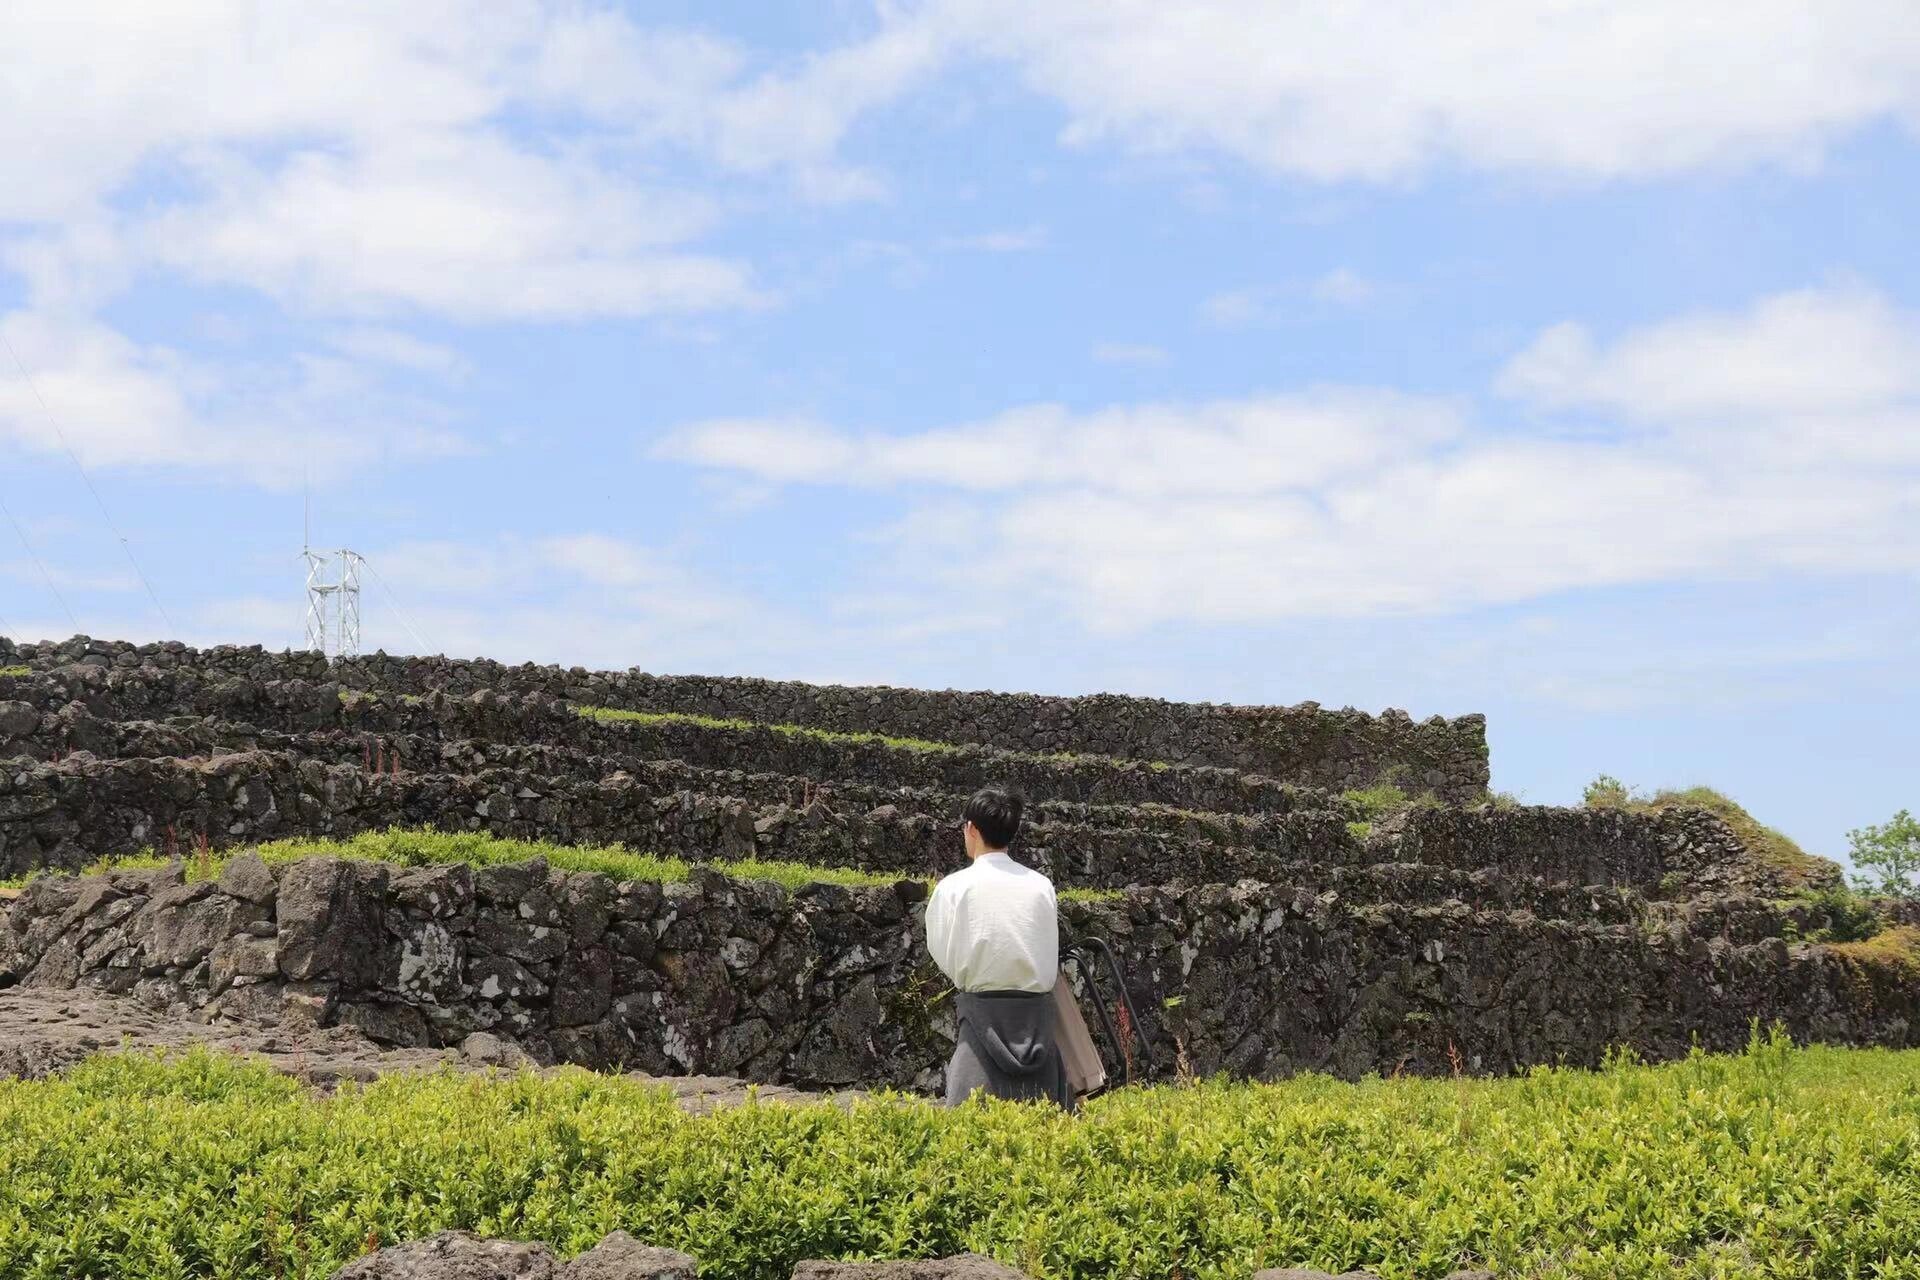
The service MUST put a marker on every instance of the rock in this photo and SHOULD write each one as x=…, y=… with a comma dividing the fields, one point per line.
x=187, y=923
x=247, y=878
x=242, y=957
x=430, y=962
x=967, y=1266
x=583, y=989
x=620, y=1257
x=484, y=1049
x=499, y=978
x=305, y=1006
x=399, y=1025
x=331, y=919
x=455, y=1255
x=437, y=893
x=17, y=720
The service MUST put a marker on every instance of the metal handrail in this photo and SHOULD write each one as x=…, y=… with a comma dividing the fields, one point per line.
x=1078, y=954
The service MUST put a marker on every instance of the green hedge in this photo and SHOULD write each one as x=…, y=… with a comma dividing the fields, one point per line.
x=1778, y=1162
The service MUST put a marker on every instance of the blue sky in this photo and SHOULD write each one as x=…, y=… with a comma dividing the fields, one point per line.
x=1557, y=362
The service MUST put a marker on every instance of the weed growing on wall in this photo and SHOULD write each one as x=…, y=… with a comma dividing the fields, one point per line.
x=1765, y=843
x=426, y=846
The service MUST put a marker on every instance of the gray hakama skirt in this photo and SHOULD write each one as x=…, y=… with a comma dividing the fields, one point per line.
x=1005, y=1045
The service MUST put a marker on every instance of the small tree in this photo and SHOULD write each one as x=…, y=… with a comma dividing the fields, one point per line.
x=1890, y=853
x=1607, y=792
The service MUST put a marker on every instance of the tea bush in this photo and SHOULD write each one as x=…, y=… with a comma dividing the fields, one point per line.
x=1779, y=1162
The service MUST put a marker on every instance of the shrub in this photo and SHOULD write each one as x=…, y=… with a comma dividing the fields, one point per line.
x=1607, y=792
x=1778, y=1162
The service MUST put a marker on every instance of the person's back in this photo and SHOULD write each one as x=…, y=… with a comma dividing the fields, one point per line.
x=994, y=930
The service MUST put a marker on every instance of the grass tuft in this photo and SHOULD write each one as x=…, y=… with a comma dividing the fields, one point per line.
x=1897, y=949
x=1772, y=847
x=428, y=846
x=16, y=671
x=616, y=715
x=1384, y=798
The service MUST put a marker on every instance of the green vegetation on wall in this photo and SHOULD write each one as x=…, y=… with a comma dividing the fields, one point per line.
x=425, y=847
x=1763, y=842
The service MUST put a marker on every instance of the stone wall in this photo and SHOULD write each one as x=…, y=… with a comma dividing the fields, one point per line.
x=79, y=709
x=67, y=815
x=829, y=986
x=1304, y=744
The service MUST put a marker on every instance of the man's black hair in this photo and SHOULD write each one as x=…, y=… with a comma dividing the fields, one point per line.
x=996, y=814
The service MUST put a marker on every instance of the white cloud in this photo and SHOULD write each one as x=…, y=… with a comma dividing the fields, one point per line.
x=1377, y=92
x=1022, y=240
x=1815, y=351
x=1135, y=353
x=402, y=350
x=1234, y=308
x=1223, y=447
x=1353, y=503
x=119, y=403
x=1271, y=304
x=461, y=226
x=1343, y=286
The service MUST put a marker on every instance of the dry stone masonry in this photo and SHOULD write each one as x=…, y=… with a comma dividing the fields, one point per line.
x=1267, y=923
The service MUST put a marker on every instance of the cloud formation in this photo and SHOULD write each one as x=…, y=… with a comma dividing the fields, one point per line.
x=1725, y=445
x=1627, y=89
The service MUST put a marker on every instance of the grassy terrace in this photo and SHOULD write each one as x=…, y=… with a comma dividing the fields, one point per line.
x=1763, y=842
x=1780, y=1162
x=614, y=715
x=425, y=847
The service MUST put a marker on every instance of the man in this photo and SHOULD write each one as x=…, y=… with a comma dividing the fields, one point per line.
x=994, y=930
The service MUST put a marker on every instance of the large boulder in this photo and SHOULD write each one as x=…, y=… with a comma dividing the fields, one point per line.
x=457, y=1255
x=332, y=920
x=1303, y=1273
x=621, y=1257
x=967, y=1266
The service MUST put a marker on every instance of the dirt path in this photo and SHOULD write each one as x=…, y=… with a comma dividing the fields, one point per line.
x=43, y=1032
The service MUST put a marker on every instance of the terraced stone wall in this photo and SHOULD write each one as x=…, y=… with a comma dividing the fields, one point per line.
x=829, y=986
x=95, y=709
x=68, y=814
x=1304, y=744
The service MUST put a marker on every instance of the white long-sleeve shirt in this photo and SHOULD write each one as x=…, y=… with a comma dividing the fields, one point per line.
x=995, y=927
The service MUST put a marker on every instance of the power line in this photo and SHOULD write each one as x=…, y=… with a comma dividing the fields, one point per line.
x=40, y=564
x=398, y=612
x=125, y=546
